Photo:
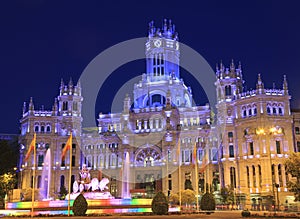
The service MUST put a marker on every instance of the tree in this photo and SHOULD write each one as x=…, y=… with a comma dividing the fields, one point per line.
x=62, y=193
x=293, y=168
x=8, y=156
x=160, y=204
x=227, y=195
x=7, y=183
x=188, y=197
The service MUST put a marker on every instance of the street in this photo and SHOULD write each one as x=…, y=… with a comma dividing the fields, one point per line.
x=216, y=215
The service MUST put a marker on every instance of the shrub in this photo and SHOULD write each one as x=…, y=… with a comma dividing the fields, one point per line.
x=80, y=206
x=188, y=197
x=208, y=202
x=174, y=199
x=62, y=193
x=246, y=213
x=160, y=204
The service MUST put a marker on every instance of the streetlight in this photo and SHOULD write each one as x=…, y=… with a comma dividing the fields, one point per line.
x=277, y=197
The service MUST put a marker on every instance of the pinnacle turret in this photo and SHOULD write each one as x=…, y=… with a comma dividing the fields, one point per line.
x=285, y=86
x=31, y=106
x=55, y=108
x=167, y=30
x=24, y=108
x=259, y=85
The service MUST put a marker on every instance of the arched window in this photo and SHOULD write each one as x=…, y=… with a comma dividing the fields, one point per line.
x=227, y=90
x=280, y=112
x=254, y=110
x=48, y=129
x=36, y=127
x=268, y=110
x=274, y=111
x=65, y=105
x=260, y=176
x=254, y=176
x=42, y=128
x=280, y=175
x=244, y=113
x=250, y=112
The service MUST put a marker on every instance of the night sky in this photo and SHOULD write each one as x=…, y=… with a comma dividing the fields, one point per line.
x=44, y=41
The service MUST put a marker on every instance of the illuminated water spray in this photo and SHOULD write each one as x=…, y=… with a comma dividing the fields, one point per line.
x=46, y=177
x=126, y=177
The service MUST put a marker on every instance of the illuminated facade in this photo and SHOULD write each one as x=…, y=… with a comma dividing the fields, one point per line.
x=245, y=149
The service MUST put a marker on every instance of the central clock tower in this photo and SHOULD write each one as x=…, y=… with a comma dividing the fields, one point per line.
x=162, y=52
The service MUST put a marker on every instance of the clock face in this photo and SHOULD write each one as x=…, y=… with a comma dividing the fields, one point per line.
x=157, y=43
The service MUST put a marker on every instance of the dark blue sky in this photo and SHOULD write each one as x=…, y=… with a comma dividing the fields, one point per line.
x=44, y=41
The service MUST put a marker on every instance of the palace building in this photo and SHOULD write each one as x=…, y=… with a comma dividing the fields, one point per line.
x=172, y=144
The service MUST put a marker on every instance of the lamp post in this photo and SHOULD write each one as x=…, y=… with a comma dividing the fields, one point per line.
x=277, y=197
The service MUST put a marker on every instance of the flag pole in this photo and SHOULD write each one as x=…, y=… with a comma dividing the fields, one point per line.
x=33, y=174
x=179, y=174
x=196, y=179
x=70, y=174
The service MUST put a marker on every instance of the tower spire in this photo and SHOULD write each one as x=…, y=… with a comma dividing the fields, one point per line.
x=70, y=86
x=259, y=85
x=232, y=67
x=285, y=86
x=24, y=108
x=54, y=107
x=62, y=85
x=31, y=106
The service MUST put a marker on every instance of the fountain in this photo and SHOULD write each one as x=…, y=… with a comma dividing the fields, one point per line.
x=91, y=189
x=99, y=200
x=46, y=177
x=126, y=178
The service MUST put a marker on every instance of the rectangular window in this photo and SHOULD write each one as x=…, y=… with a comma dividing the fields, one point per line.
x=230, y=137
x=73, y=160
x=63, y=162
x=40, y=160
x=278, y=151
x=214, y=154
x=251, y=148
x=169, y=156
x=298, y=146
x=248, y=177
x=231, y=151
x=39, y=181
x=170, y=184
x=187, y=156
x=297, y=130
